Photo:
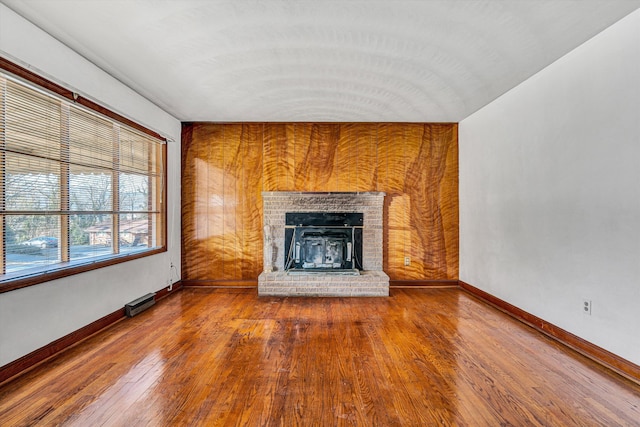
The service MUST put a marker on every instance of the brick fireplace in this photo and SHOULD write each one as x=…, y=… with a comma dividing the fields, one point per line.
x=364, y=278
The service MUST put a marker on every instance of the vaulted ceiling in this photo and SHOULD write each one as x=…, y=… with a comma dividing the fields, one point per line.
x=337, y=61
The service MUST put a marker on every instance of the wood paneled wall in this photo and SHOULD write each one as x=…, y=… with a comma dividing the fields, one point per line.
x=225, y=168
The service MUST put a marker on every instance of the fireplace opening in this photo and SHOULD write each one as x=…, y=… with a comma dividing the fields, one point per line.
x=323, y=242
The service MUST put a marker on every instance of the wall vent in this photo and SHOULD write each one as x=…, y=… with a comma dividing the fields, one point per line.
x=139, y=305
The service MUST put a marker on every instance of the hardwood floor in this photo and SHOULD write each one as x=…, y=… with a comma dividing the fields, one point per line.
x=422, y=357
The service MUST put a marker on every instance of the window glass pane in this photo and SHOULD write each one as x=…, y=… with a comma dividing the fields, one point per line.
x=134, y=232
x=90, y=236
x=157, y=239
x=134, y=192
x=90, y=189
x=32, y=241
x=31, y=183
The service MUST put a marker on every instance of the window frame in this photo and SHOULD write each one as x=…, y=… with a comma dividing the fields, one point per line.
x=17, y=280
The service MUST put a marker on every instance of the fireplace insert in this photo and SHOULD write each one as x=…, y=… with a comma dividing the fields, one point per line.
x=322, y=241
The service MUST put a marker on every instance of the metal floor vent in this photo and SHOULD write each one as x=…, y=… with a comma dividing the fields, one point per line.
x=139, y=305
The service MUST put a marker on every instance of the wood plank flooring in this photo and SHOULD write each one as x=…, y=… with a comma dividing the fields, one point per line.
x=224, y=357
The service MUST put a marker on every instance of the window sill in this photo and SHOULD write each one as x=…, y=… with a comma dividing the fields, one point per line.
x=23, y=279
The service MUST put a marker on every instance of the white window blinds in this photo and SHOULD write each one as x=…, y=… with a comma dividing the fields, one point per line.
x=75, y=186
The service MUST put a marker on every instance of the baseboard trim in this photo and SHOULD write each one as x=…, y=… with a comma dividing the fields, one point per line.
x=423, y=283
x=220, y=283
x=617, y=364
x=27, y=362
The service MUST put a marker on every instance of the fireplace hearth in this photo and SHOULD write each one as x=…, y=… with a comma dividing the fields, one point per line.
x=323, y=244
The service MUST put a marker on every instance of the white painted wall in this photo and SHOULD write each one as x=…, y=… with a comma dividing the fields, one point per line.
x=550, y=192
x=35, y=316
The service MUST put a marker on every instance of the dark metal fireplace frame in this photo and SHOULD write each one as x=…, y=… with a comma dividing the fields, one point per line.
x=323, y=242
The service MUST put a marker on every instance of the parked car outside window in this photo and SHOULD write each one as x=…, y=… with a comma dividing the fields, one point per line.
x=42, y=242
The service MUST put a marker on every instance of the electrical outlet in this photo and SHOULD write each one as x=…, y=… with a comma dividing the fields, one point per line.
x=586, y=306
x=407, y=260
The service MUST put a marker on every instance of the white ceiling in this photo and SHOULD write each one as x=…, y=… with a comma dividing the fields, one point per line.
x=337, y=61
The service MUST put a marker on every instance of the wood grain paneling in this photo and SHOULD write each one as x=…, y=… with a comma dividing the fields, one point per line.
x=315, y=157
x=227, y=166
x=278, y=163
x=249, y=188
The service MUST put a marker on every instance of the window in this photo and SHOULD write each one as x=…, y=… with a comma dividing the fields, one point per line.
x=78, y=190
